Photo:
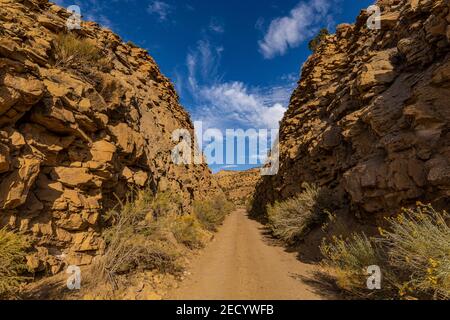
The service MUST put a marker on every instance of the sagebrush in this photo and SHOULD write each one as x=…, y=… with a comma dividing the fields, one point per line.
x=136, y=240
x=72, y=50
x=211, y=213
x=148, y=230
x=418, y=247
x=13, y=248
x=413, y=251
x=293, y=219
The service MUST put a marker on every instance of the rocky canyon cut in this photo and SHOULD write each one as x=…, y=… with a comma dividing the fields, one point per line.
x=370, y=117
x=76, y=136
x=239, y=186
x=87, y=120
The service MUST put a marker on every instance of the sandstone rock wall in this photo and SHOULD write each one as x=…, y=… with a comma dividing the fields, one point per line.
x=238, y=186
x=75, y=138
x=370, y=118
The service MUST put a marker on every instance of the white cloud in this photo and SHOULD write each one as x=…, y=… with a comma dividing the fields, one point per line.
x=216, y=26
x=203, y=63
x=230, y=104
x=234, y=105
x=302, y=23
x=159, y=8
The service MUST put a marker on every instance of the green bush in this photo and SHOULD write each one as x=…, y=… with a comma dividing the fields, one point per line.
x=414, y=255
x=188, y=232
x=12, y=261
x=293, y=219
x=314, y=43
x=211, y=213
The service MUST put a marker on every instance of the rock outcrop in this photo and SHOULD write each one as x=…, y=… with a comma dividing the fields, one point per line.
x=239, y=186
x=76, y=136
x=370, y=118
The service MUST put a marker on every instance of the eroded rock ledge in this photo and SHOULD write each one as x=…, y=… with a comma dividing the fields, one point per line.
x=73, y=140
x=370, y=118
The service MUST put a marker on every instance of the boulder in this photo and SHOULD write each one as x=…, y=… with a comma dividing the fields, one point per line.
x=74, y=177
x=140, y=178
x=102, y=151
x=15, y=187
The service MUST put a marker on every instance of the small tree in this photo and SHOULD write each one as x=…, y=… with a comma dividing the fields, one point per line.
x=314, y=43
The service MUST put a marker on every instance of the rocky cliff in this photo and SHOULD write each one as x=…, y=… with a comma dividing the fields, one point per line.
x=370, y=118
x=238, y=186
x=84, y=119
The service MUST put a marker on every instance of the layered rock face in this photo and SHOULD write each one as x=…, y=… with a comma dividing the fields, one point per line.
x=238, y=186
x=76, y=137
x=370, y=118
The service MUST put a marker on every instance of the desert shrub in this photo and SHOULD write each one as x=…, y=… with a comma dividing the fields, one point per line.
x=292, y=220
x=12, y=261
x=72, y=50
x=165, y=203
x=347, y=261
x=414, y=254
x=418, y=246
x=315, y=42
x=136, y=240
x=149, y=232
x=211, y=213
x=188, y=232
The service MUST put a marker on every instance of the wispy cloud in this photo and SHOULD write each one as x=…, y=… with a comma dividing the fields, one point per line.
x=303, y=21
x=160, y=9
x=230, y=104
x=203, y=63
x=216, y=26
x=236, y=105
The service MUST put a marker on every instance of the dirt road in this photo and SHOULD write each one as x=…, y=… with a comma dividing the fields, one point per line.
x=240, y=264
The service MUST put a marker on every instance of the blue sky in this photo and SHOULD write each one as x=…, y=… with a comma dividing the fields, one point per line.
x=234, y=62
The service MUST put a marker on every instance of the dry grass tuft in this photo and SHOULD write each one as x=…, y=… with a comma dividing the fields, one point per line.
x=414, y=255
x=149, y=232
x=136, y=240
x=13, y=248
x=292, y=220
x=73, y=51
